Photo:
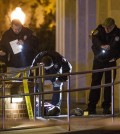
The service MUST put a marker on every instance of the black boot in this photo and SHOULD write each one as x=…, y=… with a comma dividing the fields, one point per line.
x=106, y=111
x=54, y=111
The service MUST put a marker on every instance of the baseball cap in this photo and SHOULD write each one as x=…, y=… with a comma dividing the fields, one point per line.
x=108, y=22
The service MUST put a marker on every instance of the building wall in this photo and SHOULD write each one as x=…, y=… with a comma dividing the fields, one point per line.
x=13, y=110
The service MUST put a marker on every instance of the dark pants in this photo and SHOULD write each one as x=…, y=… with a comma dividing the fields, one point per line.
x=57, y=96
x=94, y=95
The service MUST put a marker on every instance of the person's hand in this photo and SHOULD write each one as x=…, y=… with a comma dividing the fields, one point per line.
x=57, y=82
x=2, y=53
x=112, y=60
x=105, y=47
x=20, y=42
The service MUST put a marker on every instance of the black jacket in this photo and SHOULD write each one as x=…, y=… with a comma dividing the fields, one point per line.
x=24, y=58
x=61, y=65
x=100, y=37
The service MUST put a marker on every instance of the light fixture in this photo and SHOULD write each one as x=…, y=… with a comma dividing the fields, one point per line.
x=16, y=99
x=18, y=14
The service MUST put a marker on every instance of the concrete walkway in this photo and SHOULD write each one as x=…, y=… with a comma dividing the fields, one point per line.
x=84, y=125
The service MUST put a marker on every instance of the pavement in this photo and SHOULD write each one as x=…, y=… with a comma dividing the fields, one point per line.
x=94, y=124
x=59, y=125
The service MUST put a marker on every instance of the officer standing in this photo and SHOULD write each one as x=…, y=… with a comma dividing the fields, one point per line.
x=106, y=49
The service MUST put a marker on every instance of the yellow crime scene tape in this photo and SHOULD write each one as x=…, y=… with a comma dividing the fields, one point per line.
x=17, y=76
x=27, y=98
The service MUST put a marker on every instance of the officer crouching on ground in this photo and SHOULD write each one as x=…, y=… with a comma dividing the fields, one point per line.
x=54, y=63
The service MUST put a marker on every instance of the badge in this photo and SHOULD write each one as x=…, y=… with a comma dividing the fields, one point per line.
x=95, y=32
x=117, y=38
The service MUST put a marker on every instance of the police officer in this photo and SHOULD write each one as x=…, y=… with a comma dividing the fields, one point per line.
x=54, y=63
x=20, y=45
x=106, y=49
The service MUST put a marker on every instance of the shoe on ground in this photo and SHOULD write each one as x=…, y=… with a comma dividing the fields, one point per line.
x=76, y=112
x=54, y=111
x=106, y=111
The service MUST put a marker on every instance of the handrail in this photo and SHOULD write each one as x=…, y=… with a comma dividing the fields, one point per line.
x=63, y=91
x=64, y=74
x=6, y=79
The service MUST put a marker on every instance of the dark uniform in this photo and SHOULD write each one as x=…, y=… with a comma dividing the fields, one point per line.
x=103, y=59
x=60, y=65
x=3, y=67
x=24, y=58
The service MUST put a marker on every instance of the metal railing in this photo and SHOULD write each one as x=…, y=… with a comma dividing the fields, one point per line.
x=41, y=78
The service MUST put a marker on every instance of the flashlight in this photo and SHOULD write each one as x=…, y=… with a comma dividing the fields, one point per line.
x=20, y=46
x=103, y=51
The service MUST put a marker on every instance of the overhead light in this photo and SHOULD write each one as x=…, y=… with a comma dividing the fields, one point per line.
x=18, y=14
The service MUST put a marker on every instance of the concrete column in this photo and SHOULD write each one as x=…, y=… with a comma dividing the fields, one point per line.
x=75, y=20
